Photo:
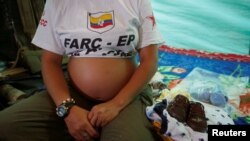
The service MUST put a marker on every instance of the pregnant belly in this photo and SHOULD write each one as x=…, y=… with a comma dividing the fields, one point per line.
x=100, y=78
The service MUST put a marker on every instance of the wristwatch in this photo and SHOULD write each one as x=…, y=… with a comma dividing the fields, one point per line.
x=63, y=109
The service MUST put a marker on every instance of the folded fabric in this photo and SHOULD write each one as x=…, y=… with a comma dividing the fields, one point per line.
x=176, y=130
x=217, y=115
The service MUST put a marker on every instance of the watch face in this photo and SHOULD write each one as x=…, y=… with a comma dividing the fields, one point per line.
x=61, y=111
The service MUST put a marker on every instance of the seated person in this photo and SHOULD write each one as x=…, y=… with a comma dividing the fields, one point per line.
x=107, y=93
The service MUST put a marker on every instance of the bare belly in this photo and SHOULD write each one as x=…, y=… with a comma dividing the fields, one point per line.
x=100, y=78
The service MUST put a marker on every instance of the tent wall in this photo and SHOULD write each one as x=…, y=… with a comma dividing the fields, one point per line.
x=211, y=25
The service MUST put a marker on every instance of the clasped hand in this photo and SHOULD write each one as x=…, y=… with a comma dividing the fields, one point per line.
x=101, y=114
x=81, y=122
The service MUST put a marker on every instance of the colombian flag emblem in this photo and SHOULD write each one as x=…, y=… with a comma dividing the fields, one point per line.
x=101, y=22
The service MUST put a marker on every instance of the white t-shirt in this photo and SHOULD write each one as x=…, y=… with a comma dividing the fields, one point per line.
x=97, y=28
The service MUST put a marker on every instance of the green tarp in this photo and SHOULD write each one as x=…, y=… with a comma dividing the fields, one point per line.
x=211, y=25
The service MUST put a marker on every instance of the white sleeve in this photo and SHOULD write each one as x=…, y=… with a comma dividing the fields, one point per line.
x=45, y=36
x=149, y=33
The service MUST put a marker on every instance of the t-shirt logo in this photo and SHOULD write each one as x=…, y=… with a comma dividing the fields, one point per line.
x=101, y=22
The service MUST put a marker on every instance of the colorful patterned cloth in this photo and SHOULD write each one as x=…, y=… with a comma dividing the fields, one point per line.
x=175, y=64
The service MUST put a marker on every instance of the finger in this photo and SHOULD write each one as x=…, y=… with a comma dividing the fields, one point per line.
x=78, y=137
x=92, y=132
x=85, y=136
x=99, y=122
x=104, y=123
x=90, y=115
x=93, y=120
